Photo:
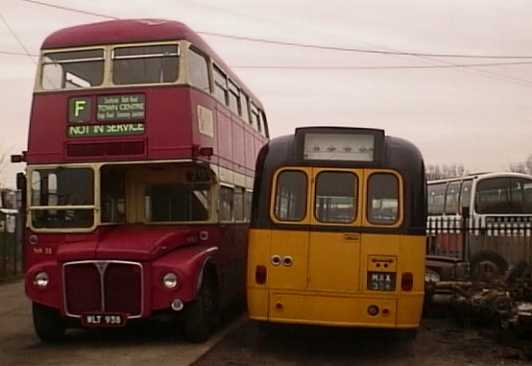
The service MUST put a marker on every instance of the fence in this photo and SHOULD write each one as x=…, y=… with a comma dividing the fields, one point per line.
x=508, y=236
x=10, y=248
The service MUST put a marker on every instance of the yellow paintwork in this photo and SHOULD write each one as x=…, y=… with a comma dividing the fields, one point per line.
x=327, y=281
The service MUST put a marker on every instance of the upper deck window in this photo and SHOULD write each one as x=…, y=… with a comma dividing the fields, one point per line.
x=245, y=106
x=234, y=98
x=72, y=69
x=220, y=85
x=255, y=117
x=198, y=70
x=145, y=64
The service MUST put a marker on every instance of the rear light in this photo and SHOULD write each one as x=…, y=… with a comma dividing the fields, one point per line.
x=407, y=281
x=260, y=275
x=373, y=310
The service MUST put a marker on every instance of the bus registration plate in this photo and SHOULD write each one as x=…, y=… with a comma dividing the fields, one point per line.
x=103, y=320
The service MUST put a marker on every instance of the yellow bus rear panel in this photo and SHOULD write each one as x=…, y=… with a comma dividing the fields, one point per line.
x=328, y=284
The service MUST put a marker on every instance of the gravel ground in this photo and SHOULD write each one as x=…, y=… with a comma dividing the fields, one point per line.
x=439, y=342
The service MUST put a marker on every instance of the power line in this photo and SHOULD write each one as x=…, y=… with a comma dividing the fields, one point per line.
x=388, y=67
x=302, y=45
x=19, y=41
x=390, y=52
x=11, y=53
x=326, y=67
x=66, y=8
x=359, y=50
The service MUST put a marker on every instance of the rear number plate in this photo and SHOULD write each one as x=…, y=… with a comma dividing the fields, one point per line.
x=103, y=320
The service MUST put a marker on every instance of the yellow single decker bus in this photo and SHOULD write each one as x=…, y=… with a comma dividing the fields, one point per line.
x=338, y=230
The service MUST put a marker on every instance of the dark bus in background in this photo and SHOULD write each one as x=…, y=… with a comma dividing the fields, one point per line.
x=140, y=164
x=337, y=231
x=484, y=220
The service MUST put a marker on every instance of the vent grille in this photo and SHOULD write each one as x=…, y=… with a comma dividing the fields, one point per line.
x=106, y=149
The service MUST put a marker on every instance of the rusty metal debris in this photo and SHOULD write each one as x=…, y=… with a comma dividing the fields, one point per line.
x=505, y=304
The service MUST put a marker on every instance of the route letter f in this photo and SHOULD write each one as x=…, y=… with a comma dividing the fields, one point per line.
x=79, y=106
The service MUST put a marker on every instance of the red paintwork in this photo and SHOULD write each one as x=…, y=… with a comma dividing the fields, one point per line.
x=171, y=132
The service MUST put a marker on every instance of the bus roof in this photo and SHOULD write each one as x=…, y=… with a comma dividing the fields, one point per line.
x=123, y=31
x=481, y=176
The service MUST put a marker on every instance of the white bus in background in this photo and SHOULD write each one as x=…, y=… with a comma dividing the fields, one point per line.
x=483, y=219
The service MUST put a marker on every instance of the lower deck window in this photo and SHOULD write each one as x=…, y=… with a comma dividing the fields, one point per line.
x=62, y=218
x=177, y=202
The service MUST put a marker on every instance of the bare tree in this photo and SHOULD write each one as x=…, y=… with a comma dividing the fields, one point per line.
x=435, y=171
x=524, y=167
x=3, y=162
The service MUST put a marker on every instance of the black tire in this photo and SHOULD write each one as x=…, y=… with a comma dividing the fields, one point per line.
x=484, y=260
x=517, y=272
x=48, y=323
x=201, y=315
x=406, y=335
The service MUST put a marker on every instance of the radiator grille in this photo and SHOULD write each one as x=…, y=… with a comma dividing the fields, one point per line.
x=103, y=286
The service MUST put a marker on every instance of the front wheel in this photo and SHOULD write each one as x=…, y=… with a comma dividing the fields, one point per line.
x=48, y=324
x=201, y=314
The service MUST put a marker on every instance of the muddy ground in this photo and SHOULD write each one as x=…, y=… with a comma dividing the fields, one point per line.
x=440, y=342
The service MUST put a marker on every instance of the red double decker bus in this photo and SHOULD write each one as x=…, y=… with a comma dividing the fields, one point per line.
x=140, y=166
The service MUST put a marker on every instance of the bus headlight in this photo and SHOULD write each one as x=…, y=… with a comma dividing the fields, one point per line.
x=170, y=280
x=431, y=276
x=41, y=280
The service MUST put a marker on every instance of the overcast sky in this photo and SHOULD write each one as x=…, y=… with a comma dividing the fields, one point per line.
x=481, y=117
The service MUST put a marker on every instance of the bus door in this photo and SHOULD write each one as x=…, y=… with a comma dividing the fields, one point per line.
x=334, y=246
x=290, y=208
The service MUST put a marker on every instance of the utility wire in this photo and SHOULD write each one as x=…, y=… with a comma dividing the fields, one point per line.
x=19, y=41
x=359, y=50
x=303, y=45
x=388, y=67
x=66, y=8
x=11, y=53
x=327, y=67
x=390, y=52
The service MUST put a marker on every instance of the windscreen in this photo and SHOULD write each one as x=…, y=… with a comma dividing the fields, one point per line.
x=60, y=196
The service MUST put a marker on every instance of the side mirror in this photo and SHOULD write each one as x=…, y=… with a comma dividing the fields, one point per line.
x=21, y=181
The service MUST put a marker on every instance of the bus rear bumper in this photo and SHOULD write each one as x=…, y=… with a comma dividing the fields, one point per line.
x=402, y=312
